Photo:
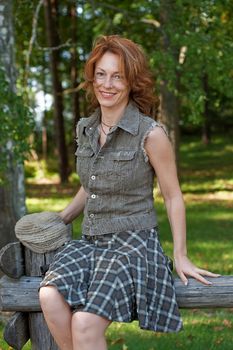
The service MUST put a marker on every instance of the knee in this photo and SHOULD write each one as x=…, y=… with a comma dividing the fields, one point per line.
x=82, y=325
x=88, y=328
x=48, y=297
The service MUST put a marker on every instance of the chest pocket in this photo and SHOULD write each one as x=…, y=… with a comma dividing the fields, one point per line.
x=121, y=162
x=83, y=164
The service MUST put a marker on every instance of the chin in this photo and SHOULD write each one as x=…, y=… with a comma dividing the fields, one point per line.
x=112, y=104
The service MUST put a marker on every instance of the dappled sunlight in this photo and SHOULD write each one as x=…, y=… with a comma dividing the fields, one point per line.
x=49, y=204
x=212, y=196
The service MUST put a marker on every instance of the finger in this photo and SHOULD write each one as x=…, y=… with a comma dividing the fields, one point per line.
x=183, y=278
x=207, y=273
x=201, y=279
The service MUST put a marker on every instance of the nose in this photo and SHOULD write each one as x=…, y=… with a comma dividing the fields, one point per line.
x=108, y=82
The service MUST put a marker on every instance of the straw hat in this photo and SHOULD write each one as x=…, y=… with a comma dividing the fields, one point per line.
x=42, y=232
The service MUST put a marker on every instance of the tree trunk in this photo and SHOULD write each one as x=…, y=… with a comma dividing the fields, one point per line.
x=12, y=194
x=169, y=115
x=53, y=41
x=206, y=128
x=169, y=109
x=74, y=72
x=74, y=65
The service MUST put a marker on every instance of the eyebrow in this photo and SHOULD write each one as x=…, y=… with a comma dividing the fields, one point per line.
x=105, y=71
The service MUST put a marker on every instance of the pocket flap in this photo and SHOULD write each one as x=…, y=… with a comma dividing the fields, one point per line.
x=84, y=152
x=122, y=155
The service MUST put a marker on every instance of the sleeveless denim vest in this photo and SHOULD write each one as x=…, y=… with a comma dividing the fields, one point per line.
x=118, y=176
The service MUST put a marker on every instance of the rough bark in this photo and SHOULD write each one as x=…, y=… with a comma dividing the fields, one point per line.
x=12, y=194
x=53, y=41
x=74, y=66
x=22, y=294
x=169, y=109
x=206, y=128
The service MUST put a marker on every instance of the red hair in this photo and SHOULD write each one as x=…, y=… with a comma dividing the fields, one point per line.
x=135, y=67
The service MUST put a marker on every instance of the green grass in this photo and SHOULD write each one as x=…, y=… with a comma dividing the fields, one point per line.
x=206, y=181
x=203, y=330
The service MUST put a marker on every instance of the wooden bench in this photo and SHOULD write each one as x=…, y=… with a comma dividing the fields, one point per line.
x=19, y=293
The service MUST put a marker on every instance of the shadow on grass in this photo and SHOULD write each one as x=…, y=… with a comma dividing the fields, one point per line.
x=209, y=329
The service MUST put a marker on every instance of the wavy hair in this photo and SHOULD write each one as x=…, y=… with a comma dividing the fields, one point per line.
x=135, y=67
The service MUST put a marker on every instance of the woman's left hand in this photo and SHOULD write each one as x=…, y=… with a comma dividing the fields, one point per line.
x=184, y=267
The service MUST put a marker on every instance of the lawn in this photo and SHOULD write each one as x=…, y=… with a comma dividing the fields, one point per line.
x=207, y=183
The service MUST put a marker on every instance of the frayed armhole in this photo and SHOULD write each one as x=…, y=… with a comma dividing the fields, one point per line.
x=153, y=126
x=77, y=134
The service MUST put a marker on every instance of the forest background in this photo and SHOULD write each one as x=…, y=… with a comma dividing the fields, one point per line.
x=43, y=47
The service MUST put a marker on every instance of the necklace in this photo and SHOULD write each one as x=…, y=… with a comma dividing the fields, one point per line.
x=109, y=126
x=103, y=129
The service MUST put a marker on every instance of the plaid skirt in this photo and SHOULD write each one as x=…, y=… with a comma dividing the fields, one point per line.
x=121, y=276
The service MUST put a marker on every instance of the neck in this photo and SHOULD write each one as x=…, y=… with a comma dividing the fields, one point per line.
x=112, y=115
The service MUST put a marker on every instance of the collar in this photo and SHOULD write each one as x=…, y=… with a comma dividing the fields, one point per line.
x=128, y=122
x=130, y=119
x=91, y=123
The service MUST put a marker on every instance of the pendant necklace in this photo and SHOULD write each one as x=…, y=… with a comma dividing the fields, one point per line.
x=109, y=126
x=103, y=129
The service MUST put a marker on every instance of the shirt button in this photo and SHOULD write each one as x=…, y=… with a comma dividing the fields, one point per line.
x=93, y=196
x=93, y=177
x=92, y=215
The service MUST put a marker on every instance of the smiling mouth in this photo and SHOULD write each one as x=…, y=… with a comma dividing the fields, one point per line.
x=107, y=94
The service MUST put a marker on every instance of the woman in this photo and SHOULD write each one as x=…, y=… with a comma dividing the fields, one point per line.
x=118, y=271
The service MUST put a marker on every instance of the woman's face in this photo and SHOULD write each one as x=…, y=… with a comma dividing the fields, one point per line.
x=110, y=86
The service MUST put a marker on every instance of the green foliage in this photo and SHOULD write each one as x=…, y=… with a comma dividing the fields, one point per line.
x=16, y=125
x=163, y=28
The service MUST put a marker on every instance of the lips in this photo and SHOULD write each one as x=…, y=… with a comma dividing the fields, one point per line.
x=107, y=94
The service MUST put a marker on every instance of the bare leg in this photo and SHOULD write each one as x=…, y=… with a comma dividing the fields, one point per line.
x=57, y=315
x=88, y=331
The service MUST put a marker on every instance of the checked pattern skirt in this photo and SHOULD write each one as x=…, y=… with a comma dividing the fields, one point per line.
x=121, y=276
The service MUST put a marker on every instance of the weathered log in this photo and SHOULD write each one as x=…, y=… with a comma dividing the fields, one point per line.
x=22, y=294
x=41, y=338
x=197, y=295
x=12, y=260
x=16, y=332
x=34, y=262
x=37, y=326
x=19, y=295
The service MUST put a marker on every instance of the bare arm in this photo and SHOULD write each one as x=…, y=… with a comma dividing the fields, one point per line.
x=75, y=207
x=161, y=157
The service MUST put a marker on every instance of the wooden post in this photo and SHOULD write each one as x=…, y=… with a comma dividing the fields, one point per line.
x=20, y=263
x=41, y=339
x=16, y=332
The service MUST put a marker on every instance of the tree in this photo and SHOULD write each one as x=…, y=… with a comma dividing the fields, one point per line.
x=51, y=19
x=188, y=44
x=12, y=196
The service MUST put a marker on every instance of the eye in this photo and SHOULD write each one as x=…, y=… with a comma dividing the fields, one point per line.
x=99, y=75
x=117, y=77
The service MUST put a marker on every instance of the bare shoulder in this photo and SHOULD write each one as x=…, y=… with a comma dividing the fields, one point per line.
x=157, y=139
